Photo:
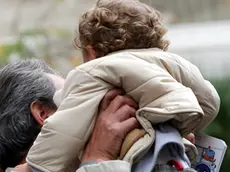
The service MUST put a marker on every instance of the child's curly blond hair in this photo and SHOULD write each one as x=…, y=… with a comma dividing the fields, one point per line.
x=114, y=25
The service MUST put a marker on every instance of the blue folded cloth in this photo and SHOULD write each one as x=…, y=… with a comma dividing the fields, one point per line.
x=168, y=147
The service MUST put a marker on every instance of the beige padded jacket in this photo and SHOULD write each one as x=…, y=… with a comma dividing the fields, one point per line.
x=107, y=166
x=166, y=87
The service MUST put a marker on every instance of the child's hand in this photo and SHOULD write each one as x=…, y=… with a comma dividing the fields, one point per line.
x=21, y=168
x=191, y=138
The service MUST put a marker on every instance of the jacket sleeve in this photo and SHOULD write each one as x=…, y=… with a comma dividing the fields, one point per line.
x=113, y=166
x=190, y=76
x=160, y=96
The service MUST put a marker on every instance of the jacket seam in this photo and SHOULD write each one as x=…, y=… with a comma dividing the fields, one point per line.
x=89, y=71
x=182, y=65
x=181, y=110
x=99, y=80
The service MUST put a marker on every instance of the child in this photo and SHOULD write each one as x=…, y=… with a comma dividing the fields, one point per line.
x=123, y=45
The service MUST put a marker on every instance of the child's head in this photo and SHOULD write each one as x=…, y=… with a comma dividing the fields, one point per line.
x=114, y=25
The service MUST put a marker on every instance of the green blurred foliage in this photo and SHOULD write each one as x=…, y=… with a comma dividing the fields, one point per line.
x=32, y=43
x=220, y=127
x=17, y=47
x=6, y=50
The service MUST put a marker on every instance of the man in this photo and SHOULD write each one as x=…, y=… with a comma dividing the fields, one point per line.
x=23, y=86
x=27, y=89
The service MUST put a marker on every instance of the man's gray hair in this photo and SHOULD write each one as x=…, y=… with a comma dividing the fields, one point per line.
x=21, y=83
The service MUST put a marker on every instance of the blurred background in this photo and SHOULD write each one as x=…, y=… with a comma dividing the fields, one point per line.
x=199, y=30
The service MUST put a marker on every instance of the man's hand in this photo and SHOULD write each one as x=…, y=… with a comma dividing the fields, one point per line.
x=21, y=168
x=116, y=119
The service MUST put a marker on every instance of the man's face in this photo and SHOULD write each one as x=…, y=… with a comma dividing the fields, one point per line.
x=59, y=84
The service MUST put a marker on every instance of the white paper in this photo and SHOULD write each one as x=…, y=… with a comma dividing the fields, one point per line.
x=211, y=153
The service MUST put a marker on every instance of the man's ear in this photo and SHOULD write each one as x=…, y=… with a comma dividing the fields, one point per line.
x=40, y=112
x=91, y=52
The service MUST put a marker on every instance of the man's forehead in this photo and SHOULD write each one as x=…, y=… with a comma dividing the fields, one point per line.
x=57, y=80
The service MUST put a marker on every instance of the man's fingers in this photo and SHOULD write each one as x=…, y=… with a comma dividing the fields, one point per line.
x=129, y=125
x=21, y=168
x=124, y=113
x=108, y=98
x=119, y=101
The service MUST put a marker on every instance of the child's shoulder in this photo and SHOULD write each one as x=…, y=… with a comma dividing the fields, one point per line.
x=132, y=58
